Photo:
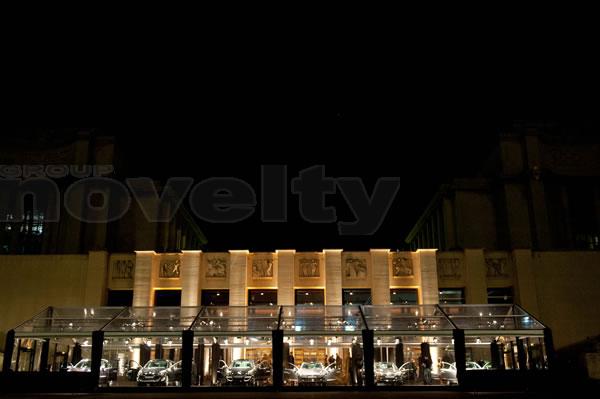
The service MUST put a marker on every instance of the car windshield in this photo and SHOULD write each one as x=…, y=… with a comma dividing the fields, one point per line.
x=312, y=366
x=156, y=363
x=83, y=364
x=244, y=364
x=385, y=366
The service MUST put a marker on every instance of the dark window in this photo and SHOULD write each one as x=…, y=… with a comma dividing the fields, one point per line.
x=500, y=295
x=120, y=298
x=310, y=297
x=356, y=296
x=262, y=297
x=404, y=296
x=215, y=298
x=452, y=296
x=167, y=298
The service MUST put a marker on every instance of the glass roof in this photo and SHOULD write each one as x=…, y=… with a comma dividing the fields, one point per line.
x=241, y=320
x=313, y=320
x=307, y=320
x=409, y=319
x=67, y=321
x=492, y=319
x=152, y=320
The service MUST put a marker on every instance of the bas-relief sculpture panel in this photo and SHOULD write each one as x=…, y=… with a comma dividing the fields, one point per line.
x=170, y=268
x=355, y=268
x=402, y=266
x=216, y=267
x=308, y=268
x=497, y=268
x=122, y=269
x=262, y=269
x=449, y=268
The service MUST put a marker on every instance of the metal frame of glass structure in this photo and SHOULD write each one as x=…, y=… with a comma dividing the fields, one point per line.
x=458, y=323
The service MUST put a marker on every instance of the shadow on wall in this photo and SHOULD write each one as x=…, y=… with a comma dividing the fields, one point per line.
x=580, y=360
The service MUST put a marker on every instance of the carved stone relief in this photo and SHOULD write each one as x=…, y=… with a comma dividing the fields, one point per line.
x=449, y=268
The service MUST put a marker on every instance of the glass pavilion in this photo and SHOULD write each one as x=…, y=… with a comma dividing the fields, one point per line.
x=279, y=346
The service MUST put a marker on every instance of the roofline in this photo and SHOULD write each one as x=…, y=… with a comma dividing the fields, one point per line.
x=425, y=214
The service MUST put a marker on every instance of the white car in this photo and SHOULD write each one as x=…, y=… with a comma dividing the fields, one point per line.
x=387, y=373
x=108, y=374
x=313, y=373
x=447, y=372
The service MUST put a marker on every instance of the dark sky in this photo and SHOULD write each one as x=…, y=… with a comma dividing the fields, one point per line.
x=423, y=152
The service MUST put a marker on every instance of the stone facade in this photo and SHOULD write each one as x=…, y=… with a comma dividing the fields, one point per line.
x=555, y=286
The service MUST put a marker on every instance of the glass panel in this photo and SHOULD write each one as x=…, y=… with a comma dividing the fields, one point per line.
x=452, y=296
x=67, y=322
x=414, y=360
x=491, y=318
x=262, y=297
x=404, y=296
x=152, y=321
x=502, y=352
x=222, y=320
x=167, y=297
x=215, y=298
x=426, y=319
x=141, y=361
x=232, y=361
x=310, y=297
x=356, y=296
x=120, y=298
x=315, y=319
x=323, y=360
x=500, y=295
x=63, y=353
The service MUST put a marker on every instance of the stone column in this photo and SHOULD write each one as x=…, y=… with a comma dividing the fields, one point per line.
x=96, y=277
x=429, y=279
x=525, y=278
x=475, y=276
x=380, y=286
x=285, y=277
x=333, y=276
x=238, y=261
x=142, y=283
x=190, y=278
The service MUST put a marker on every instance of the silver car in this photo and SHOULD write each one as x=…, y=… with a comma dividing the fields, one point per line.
x=387, y=373
x=313, y=373
x=447, y=372
x=155, y=372
x=108, y=374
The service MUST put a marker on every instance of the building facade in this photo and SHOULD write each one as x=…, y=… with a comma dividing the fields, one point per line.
x=538, y=189
x=551, y=285
x=66, y=157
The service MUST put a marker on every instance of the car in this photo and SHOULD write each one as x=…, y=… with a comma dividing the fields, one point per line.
x=313, y=373
x=132, y=370
x=447, y=372
x=154, y=372
x=108, y=374
x=408, y=372
x=247, y=372
x=387, y=373
x=290, y=374
x=175, y=374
